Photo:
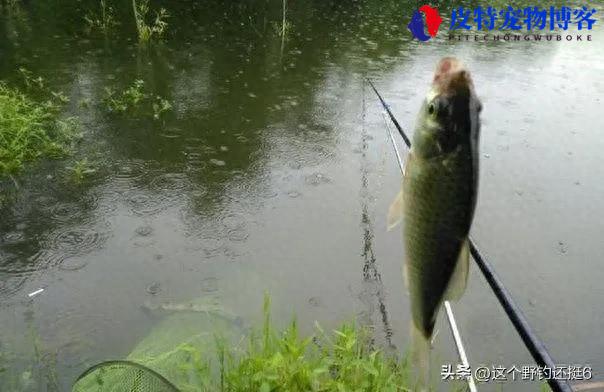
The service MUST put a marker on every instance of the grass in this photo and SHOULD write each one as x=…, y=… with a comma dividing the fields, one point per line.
x=160, y=106
x=149, y=31
x=285, y=24
x=9, y=3
x=282, y=29
x=105, y=21
x=264, y=360
x=284, y=361
x=128, y=100
x=31, y=129
x=80, y=171
x=135, y=99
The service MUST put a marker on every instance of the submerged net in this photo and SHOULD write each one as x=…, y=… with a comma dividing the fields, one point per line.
x=180, y=354
x=114, y=376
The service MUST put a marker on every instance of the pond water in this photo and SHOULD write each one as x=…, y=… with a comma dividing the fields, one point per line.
x=273, y=172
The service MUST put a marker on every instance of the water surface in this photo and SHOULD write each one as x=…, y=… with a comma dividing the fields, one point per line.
x=274, y=172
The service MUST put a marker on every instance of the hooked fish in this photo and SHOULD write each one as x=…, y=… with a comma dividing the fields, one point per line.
x=439, y=193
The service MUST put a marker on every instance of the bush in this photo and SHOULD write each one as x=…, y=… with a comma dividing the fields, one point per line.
x=30, y=130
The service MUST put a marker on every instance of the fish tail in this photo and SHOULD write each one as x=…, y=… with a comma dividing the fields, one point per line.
x=420, y=349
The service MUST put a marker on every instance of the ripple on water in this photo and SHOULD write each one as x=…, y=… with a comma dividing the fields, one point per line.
x=144, y=231
x=195, y=162
x=316, y=179
x=198, y=191
x=165, y=188
x=238, y=234
x=266, y=192
x=70, y=243
x=170, y=182
x=241, y=188
x=13, y=237
x=73, y=263
x=212, y=247
x=141, y=203
x=306, y=152
x=10, y=284
x=78, y=241
x=66, y=212
x=132, y=171
x=233, y=221
x=102, y=200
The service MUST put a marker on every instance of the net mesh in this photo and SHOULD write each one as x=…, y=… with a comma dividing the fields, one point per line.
x=120, y=376
x=179, y=354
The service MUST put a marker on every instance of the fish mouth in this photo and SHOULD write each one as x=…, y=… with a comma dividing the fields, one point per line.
x=452, y=78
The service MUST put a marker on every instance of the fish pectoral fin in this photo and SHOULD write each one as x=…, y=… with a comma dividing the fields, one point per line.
x=459, y=279
x=395, y=212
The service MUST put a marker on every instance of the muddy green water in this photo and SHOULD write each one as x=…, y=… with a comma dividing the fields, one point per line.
x=274, y=172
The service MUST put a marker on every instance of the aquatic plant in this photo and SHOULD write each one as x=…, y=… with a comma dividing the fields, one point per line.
x=37, y=85
x=9, y=4
x=155, y=30
x=104, y=22
x=80, y=170
x=128, y=99
x=31, y=129
x=136, y=99
x=85, y=103
x=282, y=28
x=160, y=106
x=30, y=80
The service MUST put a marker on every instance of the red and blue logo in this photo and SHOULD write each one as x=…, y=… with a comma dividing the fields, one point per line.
x=433, y=21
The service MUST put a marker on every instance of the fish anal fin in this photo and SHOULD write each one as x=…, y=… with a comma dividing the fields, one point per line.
x=395, y=212
x=459, y=279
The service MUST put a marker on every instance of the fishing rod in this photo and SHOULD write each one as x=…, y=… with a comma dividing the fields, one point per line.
x=532, y=342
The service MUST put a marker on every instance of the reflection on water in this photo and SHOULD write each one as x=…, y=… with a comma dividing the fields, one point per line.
x=273, y=172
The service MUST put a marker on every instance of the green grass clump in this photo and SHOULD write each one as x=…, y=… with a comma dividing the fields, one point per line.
x=340, y=361
x=30, y=129
x=80, y=171
x=135, y=99
x=128, y=100
x=149, y=31
x=282, y=28
x=104, y=21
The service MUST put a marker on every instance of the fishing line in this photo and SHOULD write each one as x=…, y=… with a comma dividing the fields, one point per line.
x=532, y=342
x=371, y=275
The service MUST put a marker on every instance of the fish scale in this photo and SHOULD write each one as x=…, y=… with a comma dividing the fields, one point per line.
x=438, y=201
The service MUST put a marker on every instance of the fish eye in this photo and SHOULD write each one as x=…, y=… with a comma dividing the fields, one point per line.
x=431, y=108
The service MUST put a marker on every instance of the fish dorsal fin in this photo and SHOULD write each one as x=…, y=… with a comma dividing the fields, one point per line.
x=459, y=279
x=395, y=212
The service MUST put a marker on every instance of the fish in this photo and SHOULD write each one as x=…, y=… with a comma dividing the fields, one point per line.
x=438, y=197
x=210, y=306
